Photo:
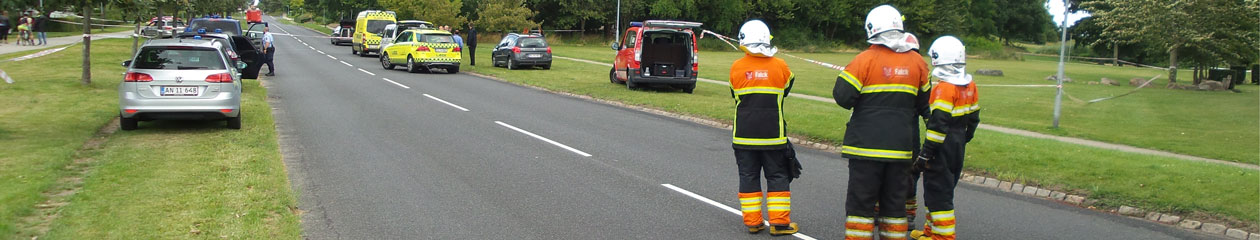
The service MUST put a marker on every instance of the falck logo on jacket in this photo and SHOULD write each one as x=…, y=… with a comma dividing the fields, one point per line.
x=896, y=71
x=757, y=75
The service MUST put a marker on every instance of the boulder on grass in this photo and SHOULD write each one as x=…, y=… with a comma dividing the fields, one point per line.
x=1137, y=82
x=1052, y=78
x=1108, y=81
x=1210, y=85
x=989, y=72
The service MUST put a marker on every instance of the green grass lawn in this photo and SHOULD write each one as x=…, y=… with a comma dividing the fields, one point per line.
x=1219, y=125
x=1154, y=183
x=162, y=181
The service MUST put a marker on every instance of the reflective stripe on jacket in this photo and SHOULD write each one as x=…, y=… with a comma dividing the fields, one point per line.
x=886, y=91
x=759, y=85
x=952, y=118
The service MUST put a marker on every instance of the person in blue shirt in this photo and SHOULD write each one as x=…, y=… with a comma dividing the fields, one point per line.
x=269, y=51
x=458, y=40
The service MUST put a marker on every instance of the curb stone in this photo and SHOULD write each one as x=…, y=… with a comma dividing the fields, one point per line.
x=1214, y=228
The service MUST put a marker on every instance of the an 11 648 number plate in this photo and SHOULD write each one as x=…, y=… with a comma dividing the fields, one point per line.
x=179, y=91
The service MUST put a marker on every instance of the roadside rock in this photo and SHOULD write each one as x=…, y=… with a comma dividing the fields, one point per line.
x=1211, y=86
x=989, y=72
x=1052, y=78
x=1213, y=228
x=1131, y=211
x=1191, y=224
x=1108, y=81
x=1236, y=233
x=1169, y=219
x=1137, y=82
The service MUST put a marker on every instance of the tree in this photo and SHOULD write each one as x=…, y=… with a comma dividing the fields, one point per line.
x=439, y=12
x=504, y=15
x=1201, y=28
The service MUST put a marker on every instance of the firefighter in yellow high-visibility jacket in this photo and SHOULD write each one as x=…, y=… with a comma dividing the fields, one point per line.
x=759, y=83
x=951, y=123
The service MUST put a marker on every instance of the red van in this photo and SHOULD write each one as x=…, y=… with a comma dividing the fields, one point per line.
x=657, y=52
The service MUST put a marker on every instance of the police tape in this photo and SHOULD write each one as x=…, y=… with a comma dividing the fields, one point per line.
x=820, y=63
x=94, y=24
x=46, y=52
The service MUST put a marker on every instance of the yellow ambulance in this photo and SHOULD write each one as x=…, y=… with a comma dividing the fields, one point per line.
x=367, y=30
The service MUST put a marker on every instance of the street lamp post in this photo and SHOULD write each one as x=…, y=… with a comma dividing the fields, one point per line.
x=1058, y=98
x=617, y=28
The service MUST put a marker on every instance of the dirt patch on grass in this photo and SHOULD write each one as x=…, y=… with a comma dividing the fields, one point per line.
x=58, y=196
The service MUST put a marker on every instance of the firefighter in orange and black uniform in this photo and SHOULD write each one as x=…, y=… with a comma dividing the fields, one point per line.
x=886, y=87
x=759, y=83
x=951, y=123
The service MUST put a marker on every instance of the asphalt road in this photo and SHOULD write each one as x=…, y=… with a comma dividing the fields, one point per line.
x=379, y=154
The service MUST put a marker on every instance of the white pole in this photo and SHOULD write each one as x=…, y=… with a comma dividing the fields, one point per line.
x=617, y=29
x=1058, y=98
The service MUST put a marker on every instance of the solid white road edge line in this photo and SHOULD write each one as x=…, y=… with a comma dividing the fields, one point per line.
x=365, y=71
x=720, y=205
x=346, y=63
x=566, y=147
x=447, y=103
x=399, y=84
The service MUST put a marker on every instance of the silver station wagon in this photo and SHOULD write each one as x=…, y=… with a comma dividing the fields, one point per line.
x=187, y=79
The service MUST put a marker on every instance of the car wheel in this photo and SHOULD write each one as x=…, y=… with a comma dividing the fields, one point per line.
x=411, y=65
x=630, y=83
x=128, y=124
x=453, y=70
x=546, y=67
x=689, y=88
x=354, y=49
x=612, y=76
x=385, y=62
x=235, y=122
x=511, y=65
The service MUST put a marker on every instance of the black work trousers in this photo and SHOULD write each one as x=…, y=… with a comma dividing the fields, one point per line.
x=270, y=60
x=941, y=177
x=472, y=54
x=872, y=182
x=753, y=162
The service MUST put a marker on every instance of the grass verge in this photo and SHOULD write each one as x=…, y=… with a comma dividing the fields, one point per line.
x=1219, y=125
x=171, y=179
x=1115, y=178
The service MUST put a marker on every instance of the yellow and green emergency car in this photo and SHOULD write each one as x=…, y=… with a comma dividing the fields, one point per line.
x=367, y=28
x=423, y=50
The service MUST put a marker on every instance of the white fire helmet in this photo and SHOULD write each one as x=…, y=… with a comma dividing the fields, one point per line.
x=882, y=19
x=949, y=60
x=754, y=39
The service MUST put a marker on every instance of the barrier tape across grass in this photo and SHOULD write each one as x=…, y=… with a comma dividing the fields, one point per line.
x=46, y=52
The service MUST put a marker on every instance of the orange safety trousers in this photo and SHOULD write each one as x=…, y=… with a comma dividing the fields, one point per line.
x=939, y=225
x=778, y=207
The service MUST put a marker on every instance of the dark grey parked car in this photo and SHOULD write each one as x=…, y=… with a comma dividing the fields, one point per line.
x=520, y=50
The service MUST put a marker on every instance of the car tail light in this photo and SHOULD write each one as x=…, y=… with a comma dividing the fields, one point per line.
x=638, y=55
x=219, y=78
x=225, y=110
x=422, y=49
x=548, y=50
x=137, y=77
x=131, y=110
x=457, y=49
x=695, y=61
x=516, y=49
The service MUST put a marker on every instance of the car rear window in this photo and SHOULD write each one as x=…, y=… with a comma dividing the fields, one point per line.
x=178, y=58
x=531, y=42
x=376, y=26
x=437, y=38
x=231, y=28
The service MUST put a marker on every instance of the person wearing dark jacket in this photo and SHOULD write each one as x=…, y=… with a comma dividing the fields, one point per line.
x=41, y=28
x=5, y=25
x=886, y=86
x=472, y=45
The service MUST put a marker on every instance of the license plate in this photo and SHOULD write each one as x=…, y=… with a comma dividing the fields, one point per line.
x=441, y=55
x=179, y=91
x=533, y=55
x=442, y=50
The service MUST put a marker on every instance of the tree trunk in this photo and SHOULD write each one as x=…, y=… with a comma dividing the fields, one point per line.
x=1115, y=53
x=87, y=43
x=1172, y=65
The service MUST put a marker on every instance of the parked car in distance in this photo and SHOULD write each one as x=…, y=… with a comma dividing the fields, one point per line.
x=391, y=31
x=163, y=27
x=522, y=50
x=367, y=27
x=180, y=79
x=423, y=50
x=341, y=35
x=657, y=52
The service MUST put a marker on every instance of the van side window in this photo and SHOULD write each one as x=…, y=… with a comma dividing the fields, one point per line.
x=631, y=39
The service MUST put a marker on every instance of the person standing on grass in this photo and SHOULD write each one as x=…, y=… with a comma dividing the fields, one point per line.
x=41, y=28
x=4, y=27
x=887, y=87
x=459, y=41
x=759, y=83
x=472, y=45
x=269, y=51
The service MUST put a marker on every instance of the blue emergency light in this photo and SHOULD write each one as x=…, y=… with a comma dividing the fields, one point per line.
x=217, y=30
x=201, y=31
x=197, y=37
x=636, y=24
